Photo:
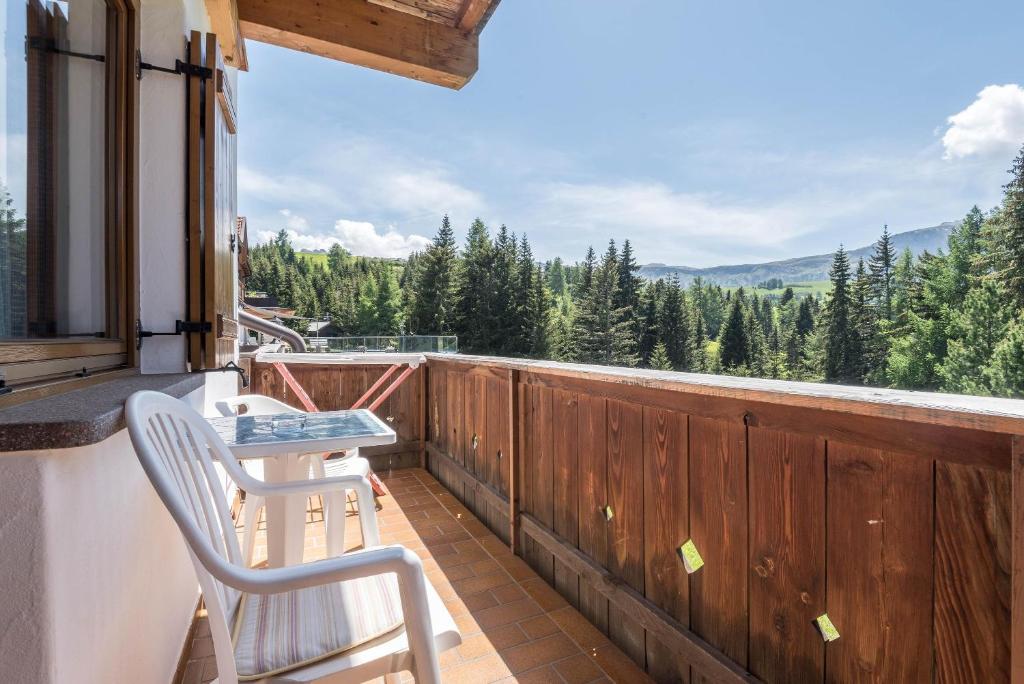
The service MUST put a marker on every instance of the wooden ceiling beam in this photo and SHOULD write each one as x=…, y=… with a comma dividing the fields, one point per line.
x=224, y=22
x=366, y=34
x=470, y=14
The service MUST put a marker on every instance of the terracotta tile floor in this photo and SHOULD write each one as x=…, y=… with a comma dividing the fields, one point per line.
x=515, y=628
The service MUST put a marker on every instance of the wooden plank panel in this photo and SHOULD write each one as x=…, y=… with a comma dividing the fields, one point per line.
x=626, y=528
x=513, y=427
x=666, y=527
x=972, y=574
x=496, y=520
x=470, y=416
x=787, y=555
x=542, y=476
x=705, y=660
x=220, y=217
x=924, y=439
x=566, y=489
x=456, y=411
x=1017, y=578
x=438, y=386
x=592, y=464
x=718, y=526
x=195, y=214
x=879, y=565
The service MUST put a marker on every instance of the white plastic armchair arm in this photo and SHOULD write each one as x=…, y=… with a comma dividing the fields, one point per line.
x=357, y=483
x=365, y=563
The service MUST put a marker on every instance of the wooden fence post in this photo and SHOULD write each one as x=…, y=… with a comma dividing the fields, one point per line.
x=424, y=411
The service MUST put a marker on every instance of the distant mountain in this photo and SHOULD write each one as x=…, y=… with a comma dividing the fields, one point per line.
x=799, y=269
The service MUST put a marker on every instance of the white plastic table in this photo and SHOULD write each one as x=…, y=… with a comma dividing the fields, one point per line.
x=286, y=442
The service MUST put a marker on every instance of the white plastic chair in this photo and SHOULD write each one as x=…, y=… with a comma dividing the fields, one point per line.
x=353, y=596
x=334, y=502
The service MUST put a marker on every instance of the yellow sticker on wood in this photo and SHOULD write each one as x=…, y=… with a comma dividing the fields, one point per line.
x=827, y=629
x=691, y=557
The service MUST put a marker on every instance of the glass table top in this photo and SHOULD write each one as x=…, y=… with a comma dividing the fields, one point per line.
x=328, y=429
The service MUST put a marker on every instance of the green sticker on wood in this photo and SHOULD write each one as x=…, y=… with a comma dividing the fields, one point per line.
x=691, y=557
x=827, y=629
x=608, y=512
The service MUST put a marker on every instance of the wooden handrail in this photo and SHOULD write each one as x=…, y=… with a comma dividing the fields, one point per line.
x=970, y=412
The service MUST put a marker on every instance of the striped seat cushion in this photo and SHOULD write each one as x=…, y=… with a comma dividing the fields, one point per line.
x=279, y=632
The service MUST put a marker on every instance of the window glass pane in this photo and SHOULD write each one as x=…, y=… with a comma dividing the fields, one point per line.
x=53, y=169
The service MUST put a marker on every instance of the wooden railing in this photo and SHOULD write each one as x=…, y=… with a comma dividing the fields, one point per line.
x=338, y=387
x=898, y=515
x=894, y=514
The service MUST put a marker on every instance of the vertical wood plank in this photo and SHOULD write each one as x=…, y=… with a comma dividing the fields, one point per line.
x=566, y=489
x=666, y=527
x=512, y=463
x=1017, y=580
x=972, y=574
x=543, y=476
x=787, y=555
x=718, y=526
x=593, y=487
x=879, y=565
x=494, y=453
x=626, y=528
x=526, y=463
x=195, y=215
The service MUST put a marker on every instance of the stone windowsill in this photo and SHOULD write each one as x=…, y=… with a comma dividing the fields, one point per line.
x=83, y=416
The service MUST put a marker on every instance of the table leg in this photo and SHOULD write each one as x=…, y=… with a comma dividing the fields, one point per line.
x=286, y=515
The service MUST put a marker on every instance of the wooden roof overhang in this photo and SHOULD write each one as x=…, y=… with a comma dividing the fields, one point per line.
x=435, y=41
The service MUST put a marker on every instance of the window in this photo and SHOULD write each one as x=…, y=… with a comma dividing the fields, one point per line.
x=64, y=187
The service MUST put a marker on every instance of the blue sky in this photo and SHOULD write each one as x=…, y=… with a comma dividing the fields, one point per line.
x=707, y=133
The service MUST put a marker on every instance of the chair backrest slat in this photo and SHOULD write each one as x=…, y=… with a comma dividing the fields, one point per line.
x=177, y=447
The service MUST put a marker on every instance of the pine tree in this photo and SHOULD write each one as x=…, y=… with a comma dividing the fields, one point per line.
x=647, y=320
x=602, y=334
x=1005, y=235
x=964, y=252
x=840, y=363
x=866, y=341
x=586, y=279
x=700, y=362
x=474, y=320
x=674, y=327
x=975, y=332
x=506, y=329
x=627, y=296
x=434, y=310
x=882, y=264
x=734, y=347
x=1005, y=373
x=659, y=358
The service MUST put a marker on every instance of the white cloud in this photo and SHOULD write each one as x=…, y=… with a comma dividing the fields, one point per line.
x=296, y=224
x=356, y=177
x=992, y=124
x=358, y=237
x=667, y=225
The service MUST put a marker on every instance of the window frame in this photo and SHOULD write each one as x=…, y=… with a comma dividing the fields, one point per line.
x=30, y=363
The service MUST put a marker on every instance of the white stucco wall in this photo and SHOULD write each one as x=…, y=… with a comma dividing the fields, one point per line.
x=105, y=587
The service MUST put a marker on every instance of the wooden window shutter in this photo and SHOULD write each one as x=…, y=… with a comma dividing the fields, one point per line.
x=212, y=211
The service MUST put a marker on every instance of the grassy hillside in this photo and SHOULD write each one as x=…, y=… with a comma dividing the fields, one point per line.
x=817, y=288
